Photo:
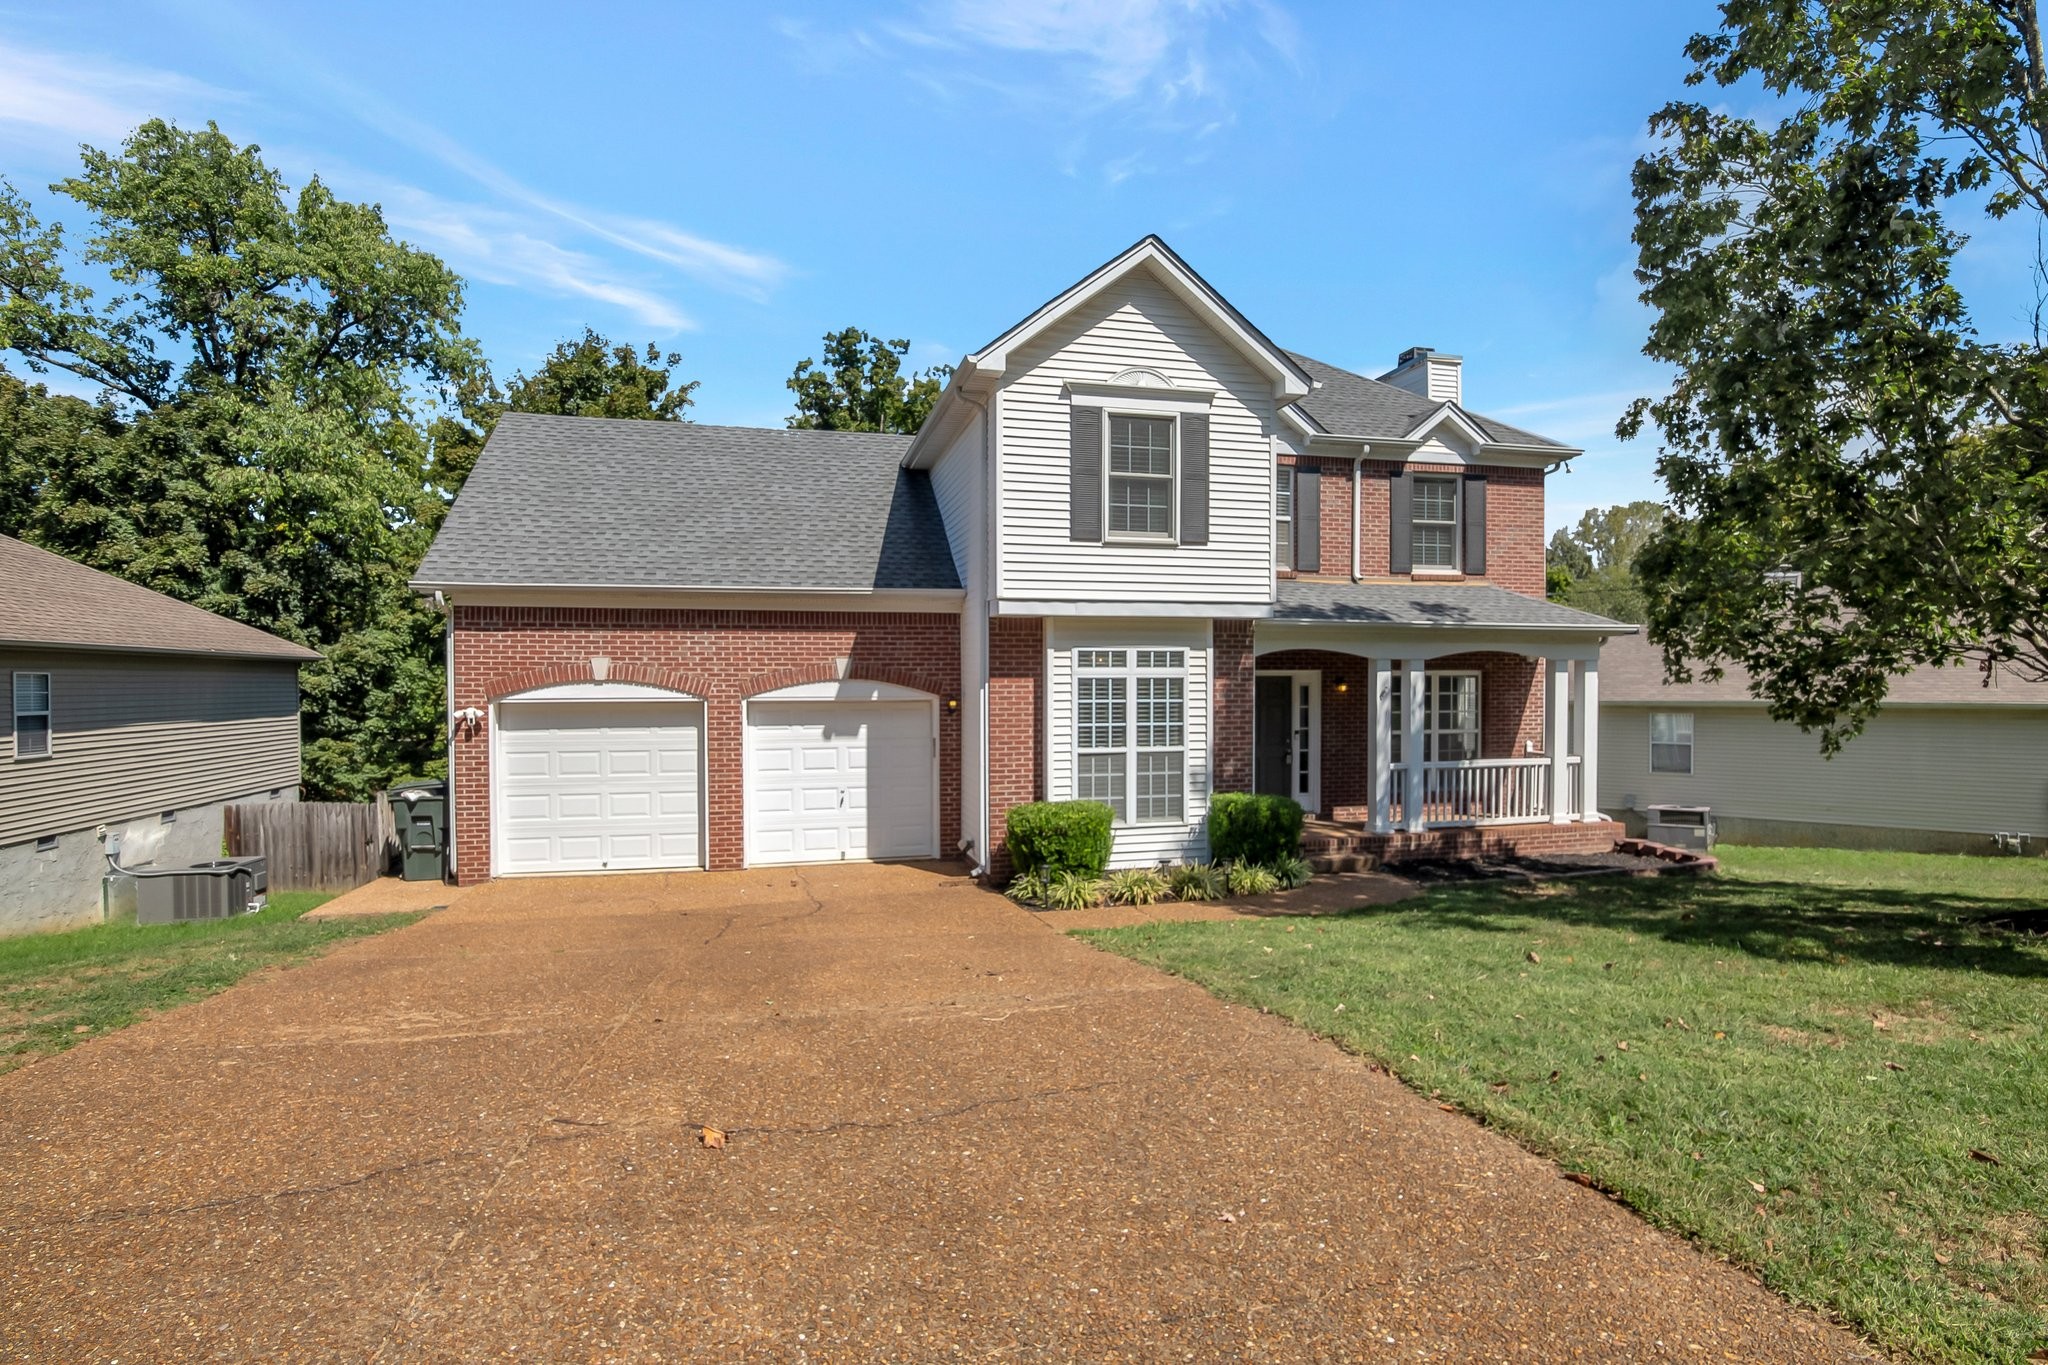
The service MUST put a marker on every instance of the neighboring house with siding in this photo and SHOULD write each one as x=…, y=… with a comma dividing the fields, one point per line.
x=1137, y=553
x=1956, y=756
x=133, y=714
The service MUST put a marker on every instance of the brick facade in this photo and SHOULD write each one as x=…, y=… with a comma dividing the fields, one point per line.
x=1232, y=692
x=1514, y=522
x=1510, y=715
x=1016, y=728
x=721, y=656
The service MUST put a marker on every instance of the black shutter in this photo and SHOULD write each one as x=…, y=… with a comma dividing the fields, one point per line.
x=1084, y=474
x=1401, y=524
x=1308, y=518
x=1194, y=478
x=1475, y=523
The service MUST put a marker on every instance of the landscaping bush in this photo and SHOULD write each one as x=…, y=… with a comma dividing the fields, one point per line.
x=1244, y=828
x=1250, y=879
x=1027, y=889
x=1293, y=872
x=1196, y=882
x=1061, y=836
x=1073, y=891
x=1138, y=886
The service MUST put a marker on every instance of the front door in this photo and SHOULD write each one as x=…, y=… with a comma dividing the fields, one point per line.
x=1285, y=736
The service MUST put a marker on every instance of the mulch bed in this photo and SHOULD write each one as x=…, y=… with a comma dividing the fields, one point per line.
x=1512, y=867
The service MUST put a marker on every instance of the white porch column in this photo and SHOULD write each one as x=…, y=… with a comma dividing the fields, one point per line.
x=1586, y=733
x=1556, y=742
x=1415, y=702
x=1380, y=678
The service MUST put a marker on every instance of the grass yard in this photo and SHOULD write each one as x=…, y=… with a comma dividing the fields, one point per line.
x=61, y=989
x=1829, y=1066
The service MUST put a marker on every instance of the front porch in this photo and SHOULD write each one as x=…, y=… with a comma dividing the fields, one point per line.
x=1450, y=738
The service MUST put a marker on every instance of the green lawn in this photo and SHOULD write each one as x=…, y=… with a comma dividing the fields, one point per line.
x=61, y=989
x=1829, y=1066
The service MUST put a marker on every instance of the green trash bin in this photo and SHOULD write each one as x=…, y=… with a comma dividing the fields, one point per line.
x=420, y=812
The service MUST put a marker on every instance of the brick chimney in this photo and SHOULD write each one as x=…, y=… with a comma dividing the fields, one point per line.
x=1432, y=374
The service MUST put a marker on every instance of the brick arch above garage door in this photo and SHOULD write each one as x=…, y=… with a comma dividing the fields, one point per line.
x=556, y=675
x=774, y=680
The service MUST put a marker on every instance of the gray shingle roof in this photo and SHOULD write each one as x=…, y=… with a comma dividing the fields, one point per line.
x=1421, y=604
x=1349, y=404
x=56, y=602
x=606, y=502
x=1632, y=673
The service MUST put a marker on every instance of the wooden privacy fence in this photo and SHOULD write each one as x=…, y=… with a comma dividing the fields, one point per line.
x=314, y=845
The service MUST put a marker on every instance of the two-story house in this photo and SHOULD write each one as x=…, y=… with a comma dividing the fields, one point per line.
x=1137, y=554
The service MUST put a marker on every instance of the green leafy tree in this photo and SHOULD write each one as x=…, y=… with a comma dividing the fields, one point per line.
x=861, y=386
x=260, y=451
x=1592, y=565
x=1859, y=480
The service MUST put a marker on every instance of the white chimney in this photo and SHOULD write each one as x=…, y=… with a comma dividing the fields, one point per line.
x=1432, y=374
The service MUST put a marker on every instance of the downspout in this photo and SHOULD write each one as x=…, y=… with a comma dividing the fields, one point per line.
x=978, y=842
x=448, y=710
x=1357, y=503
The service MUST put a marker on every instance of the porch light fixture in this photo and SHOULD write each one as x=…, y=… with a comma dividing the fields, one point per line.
x=952, y=703
x=1343, y=685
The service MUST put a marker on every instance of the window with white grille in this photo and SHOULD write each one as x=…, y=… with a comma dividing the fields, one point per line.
x=1141, y=476
x=1435, y=523
x=1130, y=732
x=31, y=715
x=1450, y=717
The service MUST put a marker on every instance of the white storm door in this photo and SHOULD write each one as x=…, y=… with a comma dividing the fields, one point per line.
x=599, y=786
x=835, y=781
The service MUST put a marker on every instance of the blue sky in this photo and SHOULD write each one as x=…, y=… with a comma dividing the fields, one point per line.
x=732, y=181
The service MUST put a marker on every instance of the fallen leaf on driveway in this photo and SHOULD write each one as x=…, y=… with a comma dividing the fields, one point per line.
x=711, y=1137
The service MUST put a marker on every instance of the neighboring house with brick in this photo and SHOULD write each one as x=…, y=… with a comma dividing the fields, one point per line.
x=1138, y=554
x=1956, y=757
x=135, y=717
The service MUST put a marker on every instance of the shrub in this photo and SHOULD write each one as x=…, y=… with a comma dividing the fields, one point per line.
x=1073, y=891
x=1138, y=886
x=1196, y=882
x=1250, y=879
x=1061, y=836
x=1293, y=872
x=1244, y=828
x=1027, y=889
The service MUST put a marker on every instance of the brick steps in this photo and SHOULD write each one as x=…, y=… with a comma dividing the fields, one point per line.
x=1333, y=847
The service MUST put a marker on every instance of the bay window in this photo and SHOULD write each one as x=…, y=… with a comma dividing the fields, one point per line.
x=1130, y=732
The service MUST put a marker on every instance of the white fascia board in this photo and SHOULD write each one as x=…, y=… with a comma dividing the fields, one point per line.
x=949, y=600
x=948, y=414
x=1289, y=383
x=1304, y=424
x=1367, y=641
x=1447, y=413
x=1234, y=611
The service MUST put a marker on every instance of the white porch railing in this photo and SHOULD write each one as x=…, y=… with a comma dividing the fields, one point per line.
x=1485, y=791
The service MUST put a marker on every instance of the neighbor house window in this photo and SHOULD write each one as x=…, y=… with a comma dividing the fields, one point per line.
x=1283, y=516
x=1435, y=539
x=1130, y=732
x=1141, y=476
x=1671, y=741
x=1450, y=717
x=31, y=715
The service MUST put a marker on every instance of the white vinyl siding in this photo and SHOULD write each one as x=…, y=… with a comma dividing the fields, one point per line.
x=1671, y=741
x=957, y=487
x=1976, y=769
x=1136, y=323
x=1134, y=733
x=959, y=484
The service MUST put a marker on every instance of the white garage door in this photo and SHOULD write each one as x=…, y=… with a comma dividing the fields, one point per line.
x=599, y=786
x=838, y=780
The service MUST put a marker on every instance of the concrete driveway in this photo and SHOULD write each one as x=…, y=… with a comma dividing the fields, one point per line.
x=953, y=1133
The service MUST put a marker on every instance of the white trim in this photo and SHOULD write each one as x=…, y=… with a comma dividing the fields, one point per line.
x=1447, y=414
x=601, y=691
x=1170, y=539
x=1312, y=800
x=1130, y=673
x=1215, y=611
x=1139, y=399
x=846, y=689
x=1425, y=642
x=747, y=767
x=493, y=789
x=943, y=600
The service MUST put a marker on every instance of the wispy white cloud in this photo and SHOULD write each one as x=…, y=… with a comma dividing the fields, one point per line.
x=1584, y=419
x=65, y=99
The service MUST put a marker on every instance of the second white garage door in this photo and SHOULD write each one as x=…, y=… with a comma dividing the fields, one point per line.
x=834, y=781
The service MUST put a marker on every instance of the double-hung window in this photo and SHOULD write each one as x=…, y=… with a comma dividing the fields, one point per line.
x=1435, y=523
x=1671, y=741
x=31, y=715
x=1141, y=477
x=1283, y=516
x=1130, y=732
x=1450, y=717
